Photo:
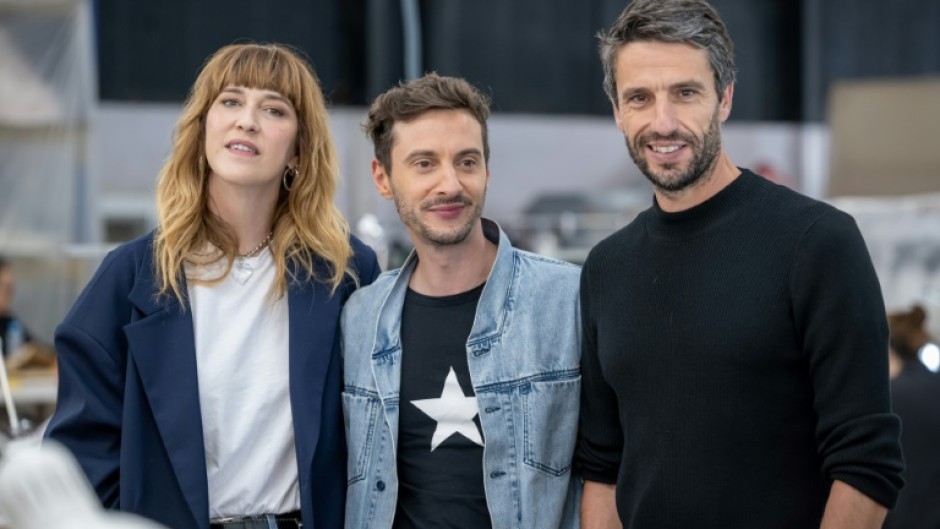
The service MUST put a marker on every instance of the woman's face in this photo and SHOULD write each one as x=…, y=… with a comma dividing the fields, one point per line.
x=251, y=137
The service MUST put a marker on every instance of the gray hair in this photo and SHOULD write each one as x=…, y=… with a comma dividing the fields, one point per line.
x=692, y=22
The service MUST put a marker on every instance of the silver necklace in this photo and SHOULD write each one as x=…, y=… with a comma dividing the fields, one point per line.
x=256, y=249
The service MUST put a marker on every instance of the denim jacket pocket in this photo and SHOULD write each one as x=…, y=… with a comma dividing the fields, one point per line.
x=360, y=412
x=551, y=424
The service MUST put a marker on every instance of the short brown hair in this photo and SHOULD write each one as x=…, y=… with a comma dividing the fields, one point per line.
x=411, y=99
x=908, y=333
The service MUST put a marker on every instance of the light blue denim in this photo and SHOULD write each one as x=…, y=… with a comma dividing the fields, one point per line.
x=523, y=352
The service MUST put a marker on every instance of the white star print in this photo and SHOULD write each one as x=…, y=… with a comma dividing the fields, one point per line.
x=453, y=411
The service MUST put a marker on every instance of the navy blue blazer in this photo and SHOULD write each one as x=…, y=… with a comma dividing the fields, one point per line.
x=128, y=404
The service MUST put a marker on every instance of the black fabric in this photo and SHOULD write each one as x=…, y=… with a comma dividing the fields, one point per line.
x=915, y=396
x=443, y=487
x=734, y=363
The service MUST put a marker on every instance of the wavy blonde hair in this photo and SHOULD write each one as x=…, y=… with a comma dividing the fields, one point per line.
x=309, y=232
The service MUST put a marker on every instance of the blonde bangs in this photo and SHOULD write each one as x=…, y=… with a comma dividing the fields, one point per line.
x=263, y=67
x=307, y=225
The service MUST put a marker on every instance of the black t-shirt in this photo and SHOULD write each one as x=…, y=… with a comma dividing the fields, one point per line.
x=440, y=441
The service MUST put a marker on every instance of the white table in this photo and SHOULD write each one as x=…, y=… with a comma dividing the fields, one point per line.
x=32, y=390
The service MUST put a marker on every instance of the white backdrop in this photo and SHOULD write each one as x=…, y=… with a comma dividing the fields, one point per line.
x=46, y=88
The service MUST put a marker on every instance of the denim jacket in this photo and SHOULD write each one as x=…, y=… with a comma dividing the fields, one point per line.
x=523, y=352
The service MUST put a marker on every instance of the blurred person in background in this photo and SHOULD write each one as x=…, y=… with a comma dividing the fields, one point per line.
x=21, y=350
x=734, y=372
x=915, y=397
x=461, y=367
x=21, y=354
x=200, y=376
x=12, y=330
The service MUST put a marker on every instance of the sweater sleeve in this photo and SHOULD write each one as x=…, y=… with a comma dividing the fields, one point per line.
x=840, y=315
x=600, y=438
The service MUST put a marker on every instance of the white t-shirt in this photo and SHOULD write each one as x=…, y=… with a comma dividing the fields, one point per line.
x=242, y=364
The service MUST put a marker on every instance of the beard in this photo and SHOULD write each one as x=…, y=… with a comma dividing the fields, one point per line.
x=671, y=178
x=439, y=237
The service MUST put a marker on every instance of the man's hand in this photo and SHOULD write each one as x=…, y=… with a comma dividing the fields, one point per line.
x=599, y=506
x=848, y=508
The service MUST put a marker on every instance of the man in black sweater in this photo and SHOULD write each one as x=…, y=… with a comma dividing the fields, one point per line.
x=733, y=364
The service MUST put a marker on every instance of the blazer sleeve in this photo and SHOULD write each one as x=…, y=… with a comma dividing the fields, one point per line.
x=91, y=350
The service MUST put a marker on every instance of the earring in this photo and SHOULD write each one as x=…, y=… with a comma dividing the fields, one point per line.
x=289, y=172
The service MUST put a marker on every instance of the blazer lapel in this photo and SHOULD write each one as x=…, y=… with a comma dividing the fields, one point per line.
x=313, y=320
x=162, y=346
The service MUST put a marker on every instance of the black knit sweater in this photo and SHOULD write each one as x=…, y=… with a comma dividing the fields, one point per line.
x=735, y=364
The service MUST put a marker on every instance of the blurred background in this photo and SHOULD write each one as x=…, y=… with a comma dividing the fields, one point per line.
x=839, y=99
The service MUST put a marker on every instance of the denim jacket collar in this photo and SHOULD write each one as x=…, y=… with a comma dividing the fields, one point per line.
x=496, y=296
x=522, y=353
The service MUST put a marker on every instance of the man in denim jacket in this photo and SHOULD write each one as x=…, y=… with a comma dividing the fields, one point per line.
x=461, y=368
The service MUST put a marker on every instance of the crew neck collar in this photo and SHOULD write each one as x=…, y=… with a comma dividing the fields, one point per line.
x=704, y=217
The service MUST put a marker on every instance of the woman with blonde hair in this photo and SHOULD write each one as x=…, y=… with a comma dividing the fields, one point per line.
x=199, y=371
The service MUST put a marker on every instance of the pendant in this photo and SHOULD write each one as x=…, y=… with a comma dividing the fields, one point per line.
x=242, y=270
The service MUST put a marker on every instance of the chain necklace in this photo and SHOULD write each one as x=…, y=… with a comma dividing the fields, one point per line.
x=256, y=249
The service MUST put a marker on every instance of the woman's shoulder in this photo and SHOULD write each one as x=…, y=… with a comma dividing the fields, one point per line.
x=114, y=279
x=129, y=257
x=360, y=249
x=135, y=249
x=364, y=261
